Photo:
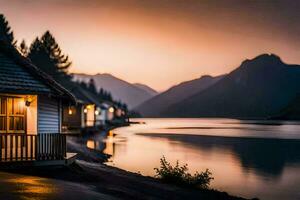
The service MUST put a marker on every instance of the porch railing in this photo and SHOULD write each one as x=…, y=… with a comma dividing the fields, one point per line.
x=20, y=147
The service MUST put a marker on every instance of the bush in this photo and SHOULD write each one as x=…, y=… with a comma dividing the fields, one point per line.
x=179, y=175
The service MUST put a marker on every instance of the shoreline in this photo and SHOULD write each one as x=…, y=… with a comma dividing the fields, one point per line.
x=102, y=181
x=120, y=184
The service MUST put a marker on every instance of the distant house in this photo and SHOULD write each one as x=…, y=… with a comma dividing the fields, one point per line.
x=89, y=114
x=31, y=104
x=107, y=112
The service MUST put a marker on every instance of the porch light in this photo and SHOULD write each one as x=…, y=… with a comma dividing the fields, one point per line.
x=70, y=111
x=85, y=110
x=28, y=101
x=96, y=112
x=111, y=110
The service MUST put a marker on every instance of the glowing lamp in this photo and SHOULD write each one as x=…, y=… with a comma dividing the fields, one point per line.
x=96, y=112
x=28, y=101
x=70, y=111
x=111, y=110
x=85, y=110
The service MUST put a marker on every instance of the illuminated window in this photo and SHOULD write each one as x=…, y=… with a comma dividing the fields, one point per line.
x=12, y=115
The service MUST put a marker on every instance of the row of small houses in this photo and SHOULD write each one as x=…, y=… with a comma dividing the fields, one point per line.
x=36, y=111
x=89, y=113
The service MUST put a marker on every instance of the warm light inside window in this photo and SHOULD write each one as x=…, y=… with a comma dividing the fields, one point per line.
x=88, y=106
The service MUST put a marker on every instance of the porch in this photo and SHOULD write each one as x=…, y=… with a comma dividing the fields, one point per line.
x=41, y=149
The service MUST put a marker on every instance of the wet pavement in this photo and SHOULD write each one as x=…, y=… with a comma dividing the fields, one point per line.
x=16, y=186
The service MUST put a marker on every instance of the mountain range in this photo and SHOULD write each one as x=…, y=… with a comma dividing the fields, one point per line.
x=259, y=88
x=157, y=104
x=131, y=94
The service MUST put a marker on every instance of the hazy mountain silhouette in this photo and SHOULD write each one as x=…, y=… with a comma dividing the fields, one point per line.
x=120, y=89
x=259, y=88
x=148, y=89
x=154, y=106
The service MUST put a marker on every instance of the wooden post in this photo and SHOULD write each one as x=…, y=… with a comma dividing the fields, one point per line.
x=5, y=147
x=11, y=147
x=0, y=147
x=16, y=147
x=36, y=147
x=26, y=147
x=31, y=147
x=22, y=143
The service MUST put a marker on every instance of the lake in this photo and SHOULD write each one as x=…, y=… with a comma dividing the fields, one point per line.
x=247, y=158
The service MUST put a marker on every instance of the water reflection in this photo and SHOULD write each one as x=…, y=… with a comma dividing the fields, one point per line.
x=266, y=156
x=104, y=144
x=247, y=158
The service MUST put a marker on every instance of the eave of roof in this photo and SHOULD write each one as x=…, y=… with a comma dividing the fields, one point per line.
x=11, y=52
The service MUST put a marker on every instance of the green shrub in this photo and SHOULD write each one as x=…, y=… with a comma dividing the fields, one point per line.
x=179, y=175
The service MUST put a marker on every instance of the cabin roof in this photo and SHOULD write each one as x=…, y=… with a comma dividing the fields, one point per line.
x=83, y=95
x=19, y=75
x=91, y=97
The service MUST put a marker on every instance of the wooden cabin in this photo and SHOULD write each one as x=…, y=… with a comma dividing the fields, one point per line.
x=86, y=115
x=31, y=105
x=74, y=117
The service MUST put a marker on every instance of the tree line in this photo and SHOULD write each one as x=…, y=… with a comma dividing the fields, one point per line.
x=46, y=54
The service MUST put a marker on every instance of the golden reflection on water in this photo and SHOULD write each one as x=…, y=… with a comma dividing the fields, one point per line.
x=109, y=145
x=91, y=144
x=106, y=145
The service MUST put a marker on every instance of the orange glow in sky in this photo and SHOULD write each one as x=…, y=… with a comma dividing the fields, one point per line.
x=158, y=43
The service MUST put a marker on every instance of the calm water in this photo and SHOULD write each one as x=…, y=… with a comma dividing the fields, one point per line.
x=247, y=158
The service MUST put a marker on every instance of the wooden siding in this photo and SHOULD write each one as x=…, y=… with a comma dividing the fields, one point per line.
x=73, y=120
x=48, y=115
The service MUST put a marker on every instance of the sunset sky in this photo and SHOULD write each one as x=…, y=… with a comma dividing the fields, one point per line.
x=160, y=42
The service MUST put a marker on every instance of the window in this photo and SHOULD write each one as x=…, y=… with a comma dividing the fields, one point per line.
x=12, y=115
x=3, y=116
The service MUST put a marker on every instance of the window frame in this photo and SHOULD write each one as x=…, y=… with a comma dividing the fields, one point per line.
x=12, y=115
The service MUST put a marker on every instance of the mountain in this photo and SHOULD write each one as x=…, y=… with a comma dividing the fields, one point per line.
x=291, y=112
x=259, y=88
x=154, y=106
x=148, y=89
x=128, y=93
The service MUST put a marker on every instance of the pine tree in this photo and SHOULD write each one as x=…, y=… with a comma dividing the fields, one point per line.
x=46, y=54
x=42, y=59
x=23, y=48
x=6, y=33
x=92, y=87
x=101, y=93
x=83, y=85
x=109, y=97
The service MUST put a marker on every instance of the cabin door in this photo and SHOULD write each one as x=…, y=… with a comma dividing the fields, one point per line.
x=12, y=115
